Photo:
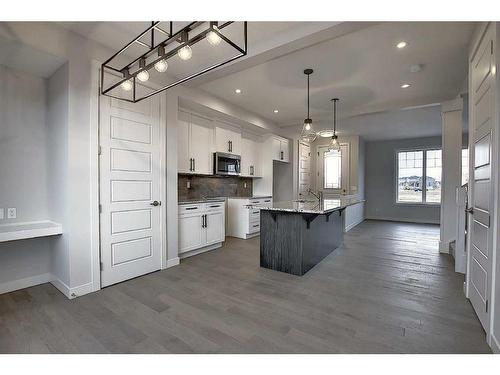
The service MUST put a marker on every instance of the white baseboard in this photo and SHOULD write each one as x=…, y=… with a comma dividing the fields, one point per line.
x=495, y=345
x=173, y=262
x=199, y=251
x=444, y=247
x=10, y=286
x=356, y=223
x=71, y=293
x=403, y=220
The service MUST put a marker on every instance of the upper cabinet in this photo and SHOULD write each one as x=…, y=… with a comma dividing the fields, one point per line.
x=280, y=149
x=227, y=141
x=193, y=148
x=250, y=157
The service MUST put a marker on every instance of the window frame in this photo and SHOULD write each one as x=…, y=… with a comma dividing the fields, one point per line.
x=424, y=175
x=320, y=163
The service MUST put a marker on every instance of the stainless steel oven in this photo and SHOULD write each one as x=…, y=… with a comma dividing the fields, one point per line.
x=226, y=164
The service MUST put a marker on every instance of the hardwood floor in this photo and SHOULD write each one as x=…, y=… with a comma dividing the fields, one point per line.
x=386, y=290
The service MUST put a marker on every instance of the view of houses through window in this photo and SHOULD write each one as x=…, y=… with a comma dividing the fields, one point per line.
x=418, y=169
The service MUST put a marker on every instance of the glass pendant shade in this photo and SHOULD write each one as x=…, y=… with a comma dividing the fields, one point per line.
x=308, y=134
x=334, y=144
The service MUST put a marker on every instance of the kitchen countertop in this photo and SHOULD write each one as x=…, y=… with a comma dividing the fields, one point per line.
x=326, y=205
x=254, y=197
x=200, y=200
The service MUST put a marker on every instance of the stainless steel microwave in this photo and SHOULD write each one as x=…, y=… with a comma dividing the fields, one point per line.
x=227, y=164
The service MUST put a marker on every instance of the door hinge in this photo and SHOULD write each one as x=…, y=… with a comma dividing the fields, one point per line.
x=99, y=151
x=101, y=265
x=100, y=208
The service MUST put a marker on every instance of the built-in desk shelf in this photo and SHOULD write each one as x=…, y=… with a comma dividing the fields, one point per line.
x=33, y=229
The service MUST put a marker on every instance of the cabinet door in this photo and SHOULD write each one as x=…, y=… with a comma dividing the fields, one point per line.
x=246, y=156
x=235, y=139
x=183, y=164
x=284, y=148
x=276, y=145
x=215, y=230
x=199, y=148
x=191, y=234
x=222, y=140
x=256, y=159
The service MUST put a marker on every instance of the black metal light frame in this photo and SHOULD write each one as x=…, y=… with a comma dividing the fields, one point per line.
x=181, y=36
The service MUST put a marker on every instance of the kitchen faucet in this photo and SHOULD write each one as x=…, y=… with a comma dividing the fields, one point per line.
x=319, y=195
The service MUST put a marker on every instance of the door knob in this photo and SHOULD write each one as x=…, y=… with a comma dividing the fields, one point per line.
x=155, y=203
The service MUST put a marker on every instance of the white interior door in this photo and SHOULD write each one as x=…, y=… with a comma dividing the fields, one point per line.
x=304, y=168
x=481, y=195
x=130, y=170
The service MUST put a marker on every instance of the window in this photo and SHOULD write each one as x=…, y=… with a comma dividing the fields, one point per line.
x=332, y=170
x=419, y=176
x=465, y=166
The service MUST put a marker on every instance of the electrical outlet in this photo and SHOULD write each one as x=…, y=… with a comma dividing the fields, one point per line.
x=2, y=214
x=245, y=185
x=11, y=213
x=188, y=184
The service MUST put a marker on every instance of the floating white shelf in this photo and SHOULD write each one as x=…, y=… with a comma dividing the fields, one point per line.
x=33, y=229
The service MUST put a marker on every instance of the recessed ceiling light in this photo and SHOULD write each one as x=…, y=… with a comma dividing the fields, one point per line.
x=405, y=85
x=401, y=44
x=275, y=111
x=237, y=91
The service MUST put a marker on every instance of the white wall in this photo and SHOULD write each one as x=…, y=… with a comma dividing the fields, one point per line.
x=57, y=180
x=23, y=174
x=451, y=172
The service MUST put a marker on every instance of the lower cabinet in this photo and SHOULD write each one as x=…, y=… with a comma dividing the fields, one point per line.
x=244, y=222
x=201, y=227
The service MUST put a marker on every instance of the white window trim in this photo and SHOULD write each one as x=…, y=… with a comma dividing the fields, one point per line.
x=320, y=166
x=424, y=175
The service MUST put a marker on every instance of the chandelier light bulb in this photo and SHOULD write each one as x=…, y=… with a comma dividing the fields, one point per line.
x=143, y=76
x=308, y=126
x=127, y=85
x=185, y=52
x=161, y=66
x=213, y=38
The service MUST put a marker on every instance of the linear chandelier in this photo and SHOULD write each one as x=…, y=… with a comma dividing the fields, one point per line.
x=170, y=53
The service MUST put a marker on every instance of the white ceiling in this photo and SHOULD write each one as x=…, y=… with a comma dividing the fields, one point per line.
x=363, y=68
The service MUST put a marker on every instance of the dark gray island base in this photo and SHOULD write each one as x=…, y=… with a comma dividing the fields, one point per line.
x=295, y=236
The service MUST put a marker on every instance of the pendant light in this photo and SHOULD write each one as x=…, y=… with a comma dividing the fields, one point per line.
x=307, y=133
x=334, y=143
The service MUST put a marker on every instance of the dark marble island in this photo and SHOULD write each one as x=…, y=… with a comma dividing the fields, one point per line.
x=297, y=235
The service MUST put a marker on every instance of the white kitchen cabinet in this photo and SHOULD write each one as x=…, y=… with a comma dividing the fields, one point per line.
x=201, y=227
x=227, y=141
x=280, y=149
x=193, y=147
x=250, y=158
x=244, y=222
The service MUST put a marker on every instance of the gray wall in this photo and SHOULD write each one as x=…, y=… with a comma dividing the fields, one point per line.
x=380, y=180
x=23, y=173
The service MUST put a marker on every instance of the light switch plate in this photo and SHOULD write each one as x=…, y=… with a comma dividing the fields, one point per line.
x=2, y=214
x=11, y=213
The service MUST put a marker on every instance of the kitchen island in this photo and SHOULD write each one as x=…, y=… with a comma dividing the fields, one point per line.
x=297, y=235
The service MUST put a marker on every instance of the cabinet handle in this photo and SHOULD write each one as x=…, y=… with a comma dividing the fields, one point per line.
x=251, y=170
x=217, y=205
x=155, y=203
x=281, y=155
x=194, y=164
x=191, y=164
x=206, y=221
x=256, y=225
x=191, y=208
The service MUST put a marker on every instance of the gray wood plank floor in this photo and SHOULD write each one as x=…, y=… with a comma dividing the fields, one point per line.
x=386, y=290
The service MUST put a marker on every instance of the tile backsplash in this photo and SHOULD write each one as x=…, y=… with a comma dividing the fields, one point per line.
x=212, y=186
